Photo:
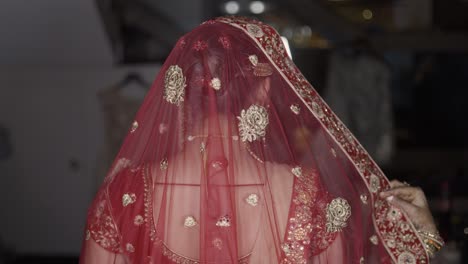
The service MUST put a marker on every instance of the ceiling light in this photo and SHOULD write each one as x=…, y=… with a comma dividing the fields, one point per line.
x=257, y=7
x=367, y=14
x=231, y=7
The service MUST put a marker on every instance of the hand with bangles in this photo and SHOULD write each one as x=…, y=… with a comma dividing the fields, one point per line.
x=414, y=203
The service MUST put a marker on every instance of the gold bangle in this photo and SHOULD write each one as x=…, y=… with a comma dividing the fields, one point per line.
x=432, y=242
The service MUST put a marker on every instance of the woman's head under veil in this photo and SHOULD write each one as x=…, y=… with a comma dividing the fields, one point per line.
x=234, y=158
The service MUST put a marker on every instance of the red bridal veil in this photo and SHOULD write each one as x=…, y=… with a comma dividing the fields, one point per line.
x=234, y=158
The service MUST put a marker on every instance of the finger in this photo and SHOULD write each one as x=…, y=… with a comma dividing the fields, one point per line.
x=396, y=183
x=409, y=208
x=405, y=192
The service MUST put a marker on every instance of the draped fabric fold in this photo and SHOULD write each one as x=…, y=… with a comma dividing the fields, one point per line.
x=234, y=158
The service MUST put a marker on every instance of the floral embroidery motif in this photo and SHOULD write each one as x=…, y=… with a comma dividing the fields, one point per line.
x=374, y=240
x=338, y=212
x=406, y=258
x=128, y=198
x=361, y=261
x=134, y=127
x=174, y=85
x=102, y=227
x=224, y=221
x=364, y=198
x=260, y=69
x=374, y=183
x=190, y=221
x=272, y=46
x=308, y=217
x=253, y=123
x=88, y=235
x=254, y=30
x=252, y=199
x=297, y=171
x=225, y=42
x=215, y=84
x=130, y=248
x=217, y=243
x=295, y=108
x=163, y=164
x=138, y=221
x=200, y=45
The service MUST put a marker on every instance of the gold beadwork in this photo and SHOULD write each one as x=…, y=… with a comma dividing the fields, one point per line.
x=174, y=85
x=253, y=123
x=374, y=183
x=190, y=221
x=252, y=199
x=338, y=212
x=134, y=126
x=296, y=109
x=254, y=30
x=128, y=198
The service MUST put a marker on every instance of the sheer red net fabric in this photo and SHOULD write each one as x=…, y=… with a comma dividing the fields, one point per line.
x=234, y=158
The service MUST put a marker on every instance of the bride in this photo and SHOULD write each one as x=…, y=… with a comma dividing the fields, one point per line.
x=234, y=158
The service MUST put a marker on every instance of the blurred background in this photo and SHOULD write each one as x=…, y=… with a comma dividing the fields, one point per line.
x=73, y=73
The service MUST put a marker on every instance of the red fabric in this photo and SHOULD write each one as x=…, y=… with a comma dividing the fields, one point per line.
x=234, y=158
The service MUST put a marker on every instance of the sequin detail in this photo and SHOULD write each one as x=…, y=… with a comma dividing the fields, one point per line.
x=134, y=127
x=296, y=109
x=253, y=123
x=252, y=199
x=174, y=85
x=338, y=212
x=128, y=198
